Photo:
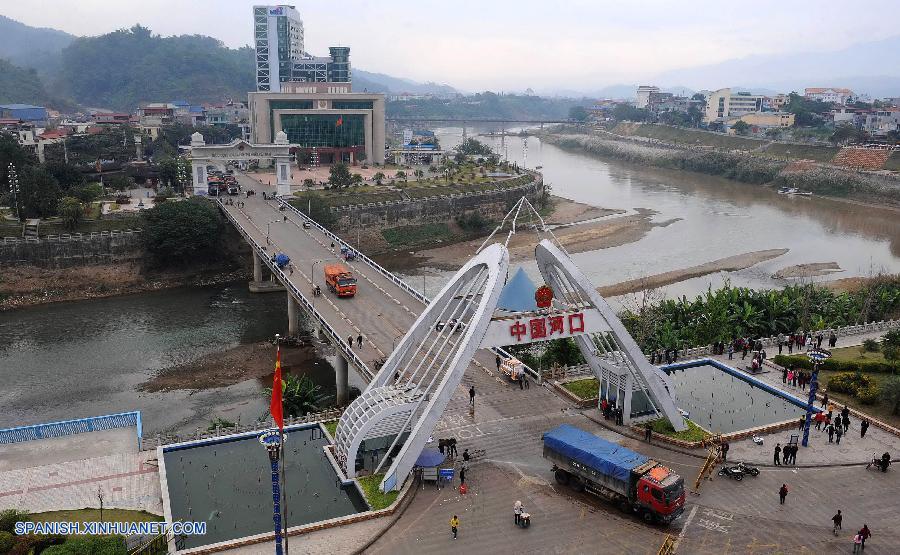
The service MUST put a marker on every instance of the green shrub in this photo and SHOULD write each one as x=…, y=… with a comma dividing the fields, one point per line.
x=870, y=394
x=7, y=541
x=98, y=545
x=870, y=366
x=10, y=517
x=849, y=382
x=891, y=353
x=870, y=345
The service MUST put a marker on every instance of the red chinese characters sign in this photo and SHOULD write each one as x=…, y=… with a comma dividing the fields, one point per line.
x=547, y=327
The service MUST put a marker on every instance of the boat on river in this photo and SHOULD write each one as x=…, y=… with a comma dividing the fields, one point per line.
x=794, y=192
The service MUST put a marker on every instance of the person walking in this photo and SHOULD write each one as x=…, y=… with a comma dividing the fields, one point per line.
x=497, y=358
x=802, y=422
x=865, y=534
x=838, y=431
x=466, y=455
x=462, y=475
x=790, y=375
x=820, y=417
x=830, y=429
x=350, y=341
x=359, y=340
x=648, y=433
x=777, y=454
x=846, y=421
x=725, y=448
x=857, y=542
x=521, y=381
x=517, y=511
x=824, y=400
x=782, y=493
x=525, y=379
x=863, y=427
x=784, y=374
x=454, y=525
x=832, y=341
x=730, y=351
x=472, y=396
x=836, y=519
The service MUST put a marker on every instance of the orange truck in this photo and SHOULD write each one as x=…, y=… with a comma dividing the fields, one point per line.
x=340, y=280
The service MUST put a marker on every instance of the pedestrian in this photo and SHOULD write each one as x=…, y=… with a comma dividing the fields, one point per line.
x=291, y=268
x=454, y=525
x=453, y=451
x=832, y=341
x=802, y=422
x=525, y=379
x=744, y=352
x=846, y=424
x=350, y=341
x=836, y=519
x=462, y=475
x=466, y=455
x=863, y=426
x=777, y=454
x=782, y=493
x=790, y=376
x=796, y=375
x=791, y=345
x=648, y=433
x=819, y=338
x=619, y=416
x=838, y=431
x=498, y=362
x=604, y=405
x=784, y=373
x=730, y=351
x=359, y=340
x=824, y=400
x=521, y=381
x=819, y=419
x=857, y=543
x=517, y=511
x=865, y=533
x=830, y=429
x=472, y=396
x=780, y=346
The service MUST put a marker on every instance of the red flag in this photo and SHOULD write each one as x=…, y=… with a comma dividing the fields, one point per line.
x=340, y=121
x=276, y=406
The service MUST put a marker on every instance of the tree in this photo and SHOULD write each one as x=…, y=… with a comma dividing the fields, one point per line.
x=627, y=112
x=473, y=147
x=38, y=193
x=88, y=193
x=578, y=113
x=806, y=112
x=890, y=392
x=339, y=176
x=378, y=177
x=118, y=182
x=741, y=127
x=67, y=175
x=71, y=211
x=847, y=133
x=356, y=179
x=400, y=175
x=177, y=233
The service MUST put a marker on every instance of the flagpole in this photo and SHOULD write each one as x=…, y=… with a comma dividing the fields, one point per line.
x=284, y=510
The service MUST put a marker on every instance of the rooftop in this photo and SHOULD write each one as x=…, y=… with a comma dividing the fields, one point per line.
x=20, y=107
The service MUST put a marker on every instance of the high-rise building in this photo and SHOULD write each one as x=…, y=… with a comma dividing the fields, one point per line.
x=281, y=58
x=723, y=104
x=278, y=38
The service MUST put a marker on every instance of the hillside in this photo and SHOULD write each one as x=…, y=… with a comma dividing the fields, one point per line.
x=123, y=69
x=22, y=85
x=32, y=47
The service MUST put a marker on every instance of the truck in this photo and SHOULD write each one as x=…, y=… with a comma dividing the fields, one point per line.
x=340, y=280
x=513, y=368
x=636, y=483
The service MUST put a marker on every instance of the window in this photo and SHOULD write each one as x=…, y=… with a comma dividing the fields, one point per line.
x=656, y=494
x=325, y=130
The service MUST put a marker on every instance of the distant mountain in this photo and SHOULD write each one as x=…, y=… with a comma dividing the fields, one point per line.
x=23, y=85
x=36, y=47
x=872, y=67
x=379, y=82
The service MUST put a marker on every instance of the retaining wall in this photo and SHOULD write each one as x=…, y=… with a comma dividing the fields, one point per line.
x=67, y=251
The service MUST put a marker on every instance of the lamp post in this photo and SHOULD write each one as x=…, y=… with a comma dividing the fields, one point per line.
x=817, y=357
x=14, y=189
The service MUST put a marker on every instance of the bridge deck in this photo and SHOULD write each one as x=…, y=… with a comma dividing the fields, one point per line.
x=382, y=311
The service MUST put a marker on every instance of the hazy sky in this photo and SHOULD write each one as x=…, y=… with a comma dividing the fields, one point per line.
x=509, y=44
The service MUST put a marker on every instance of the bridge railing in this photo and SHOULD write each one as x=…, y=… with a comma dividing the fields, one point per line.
x=267, y=259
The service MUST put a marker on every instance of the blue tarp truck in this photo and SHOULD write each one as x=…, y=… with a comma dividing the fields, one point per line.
x=636, y=483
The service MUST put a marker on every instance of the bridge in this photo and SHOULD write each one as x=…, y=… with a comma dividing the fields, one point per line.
x=412, y=119
x=415, y=352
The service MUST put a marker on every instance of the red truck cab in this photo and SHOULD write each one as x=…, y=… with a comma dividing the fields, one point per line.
x=662, y=491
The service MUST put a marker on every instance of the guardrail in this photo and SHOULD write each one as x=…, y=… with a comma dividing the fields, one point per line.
x=66, y=237
x=266, y=258
x=72, y=427
x=152, y=442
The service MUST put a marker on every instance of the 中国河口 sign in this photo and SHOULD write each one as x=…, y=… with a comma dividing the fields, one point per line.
x=531, y=327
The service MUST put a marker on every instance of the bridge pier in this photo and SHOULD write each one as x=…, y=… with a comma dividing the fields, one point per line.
x=292, y=315
x=257, y=267
x=342, y=376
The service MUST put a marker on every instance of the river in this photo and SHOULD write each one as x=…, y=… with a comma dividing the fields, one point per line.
x=71, y=360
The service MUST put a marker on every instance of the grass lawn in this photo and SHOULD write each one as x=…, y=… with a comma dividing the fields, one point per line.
x=412, y=235
x=804, y=152
x=331, y=427
x=377, y=499
x=93, y=515
x=689, y=136
x=880, y=410
x=856, y=354
x=693, y=433
x=587, y=388
x=893, y=163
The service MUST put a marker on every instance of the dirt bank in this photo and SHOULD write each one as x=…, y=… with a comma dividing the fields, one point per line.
x=808, y=270
x=578, y=237
x=729, y=264
x=23, y=286
x=244, y=362
x=567, y=212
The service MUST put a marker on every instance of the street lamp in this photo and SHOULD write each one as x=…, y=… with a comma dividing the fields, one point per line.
x=272, y=441
x=14, y=189
x=817, y=356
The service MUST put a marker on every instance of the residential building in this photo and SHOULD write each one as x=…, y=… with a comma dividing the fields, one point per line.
x=642, y=97
x=24, y=112
x=777, y=102
x=881, y=121
x=764, y=120
x=111, y=118
x=723, y=104
x=832, y=95
x=280, y=57
x=153, y=116
x=344, y=126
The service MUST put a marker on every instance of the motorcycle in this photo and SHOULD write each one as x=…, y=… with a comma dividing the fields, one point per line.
x=747, y=469
x=880, y=463
x=732, y=472
x=524, y=519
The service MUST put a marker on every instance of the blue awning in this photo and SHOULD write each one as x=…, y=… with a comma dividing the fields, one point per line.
x=430, y=457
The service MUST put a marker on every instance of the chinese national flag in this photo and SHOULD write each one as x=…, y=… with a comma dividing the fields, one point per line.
x=276, y=407
x=340, y=121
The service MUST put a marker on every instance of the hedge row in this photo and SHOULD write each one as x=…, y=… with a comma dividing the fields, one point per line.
x=800, y=361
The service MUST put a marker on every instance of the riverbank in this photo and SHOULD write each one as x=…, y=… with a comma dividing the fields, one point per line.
x=232, y=366
x=24, y=286
x=746, y=167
